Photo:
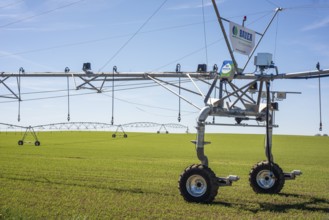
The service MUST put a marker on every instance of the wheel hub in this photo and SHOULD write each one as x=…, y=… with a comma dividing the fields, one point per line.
x=196, y=185
x=265, y=179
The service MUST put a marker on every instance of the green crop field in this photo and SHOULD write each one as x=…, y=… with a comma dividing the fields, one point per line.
x=90, y=175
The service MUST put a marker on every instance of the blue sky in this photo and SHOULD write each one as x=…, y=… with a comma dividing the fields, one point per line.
x=49, y=35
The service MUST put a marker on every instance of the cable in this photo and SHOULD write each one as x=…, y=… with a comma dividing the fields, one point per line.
x=320, y=105
x=132, y=37
x=255, y=13
x=137, y=86
x=215, y=69
x=42, y=13
x=309, y=6
x=169, y=116
x=119, y=36
x=149, y=106
x=101, y=39
x=88, y=93
x=68, y=100
x=187, y=55
x=276, y=37
x=21, y=70
x=178, y=66
x=258, y=19
x=114, y=70
x=272, y=3
x=204, y=33
x=11, y=4
x=122, y=85
x=122, y=100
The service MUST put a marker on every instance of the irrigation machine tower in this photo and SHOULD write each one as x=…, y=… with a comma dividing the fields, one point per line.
x=198, y=183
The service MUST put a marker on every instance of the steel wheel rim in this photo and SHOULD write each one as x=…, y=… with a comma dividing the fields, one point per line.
x=196, y=185
x=265, y=179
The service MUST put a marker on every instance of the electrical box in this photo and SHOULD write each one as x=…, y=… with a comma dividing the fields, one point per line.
x=281, y=95
x=202, y=68
x=253, y=87
x=263, y=60
x=275, y=106
x=86, y=67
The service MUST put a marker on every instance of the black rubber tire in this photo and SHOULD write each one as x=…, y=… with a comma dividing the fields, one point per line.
x=263, y=181
x=37, y=143
x=125, y=135
x=205, y=182
x=20, y=142
x=113, y=135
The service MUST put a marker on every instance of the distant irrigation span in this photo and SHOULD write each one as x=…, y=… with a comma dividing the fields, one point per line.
x=119, y=130
x=73, y=126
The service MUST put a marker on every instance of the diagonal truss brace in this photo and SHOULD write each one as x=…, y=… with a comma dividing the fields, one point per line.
x=88, y=81
x=236, y=92
x=174, y=85
x=240, y=96
x=172, y=91
x=15, y=96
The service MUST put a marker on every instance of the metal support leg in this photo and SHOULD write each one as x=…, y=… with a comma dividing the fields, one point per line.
x=204, y=113
x=119, y=128
x=25, y=134
x=33, y=133
x=269, y=132
x=269, y=126
x=200, y=144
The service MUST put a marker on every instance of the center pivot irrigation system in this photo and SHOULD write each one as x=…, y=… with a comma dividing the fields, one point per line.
x=83, y=126
x=253, y=101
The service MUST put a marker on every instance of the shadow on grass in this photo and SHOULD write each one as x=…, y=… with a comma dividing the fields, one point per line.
x=91, y=186
x=303, y=203
x=312, y=204
x=299, y=203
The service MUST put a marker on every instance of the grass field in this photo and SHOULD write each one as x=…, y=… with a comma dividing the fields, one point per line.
x=90, y=175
